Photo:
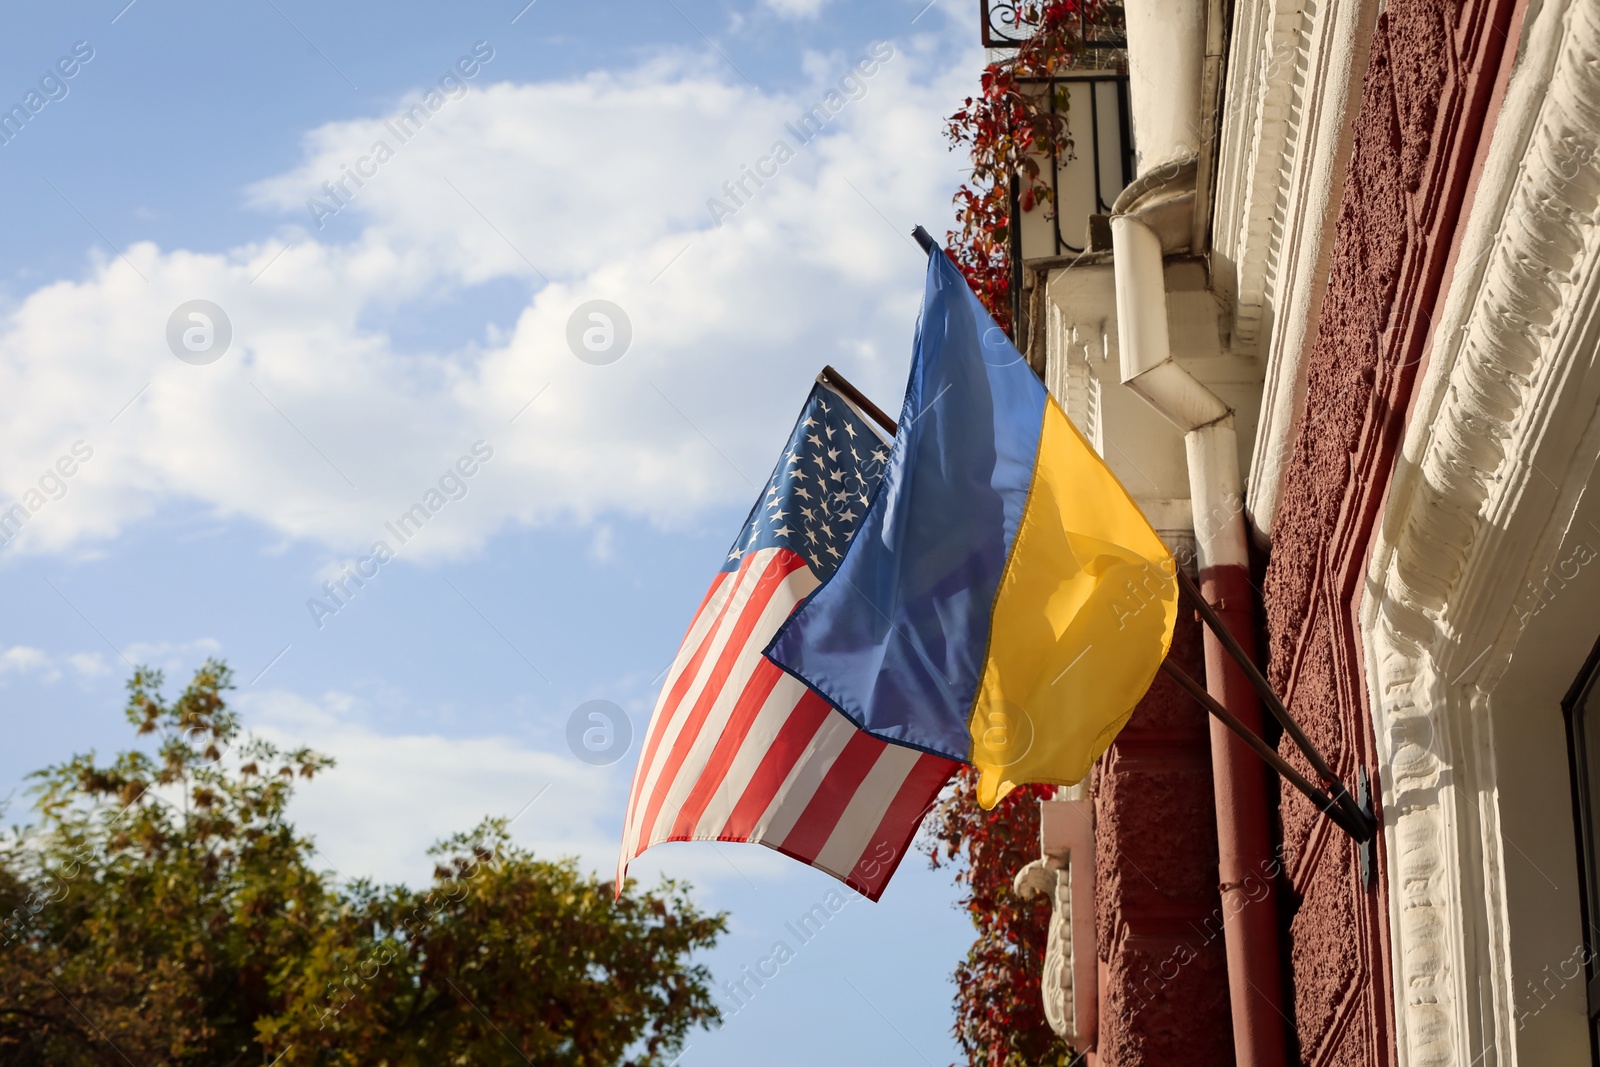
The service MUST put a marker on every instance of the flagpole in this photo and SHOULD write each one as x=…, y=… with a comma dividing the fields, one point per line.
x=1356, y=826
x=858, y=398
x=1269, y=697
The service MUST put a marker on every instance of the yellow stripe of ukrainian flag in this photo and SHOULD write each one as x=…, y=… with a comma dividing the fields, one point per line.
x=1081, y=622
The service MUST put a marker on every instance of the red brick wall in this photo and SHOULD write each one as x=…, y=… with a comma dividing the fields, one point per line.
x=1427, y=107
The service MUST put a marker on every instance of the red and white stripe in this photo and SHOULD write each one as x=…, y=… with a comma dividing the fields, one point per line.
x=738, y=750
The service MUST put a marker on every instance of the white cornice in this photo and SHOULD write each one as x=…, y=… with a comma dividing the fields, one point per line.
x=1501, y=439
x=1293, y=83
x=1259, y=133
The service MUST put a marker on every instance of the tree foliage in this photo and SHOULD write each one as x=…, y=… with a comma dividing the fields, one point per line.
x=999, y=1008
x=1008, y=128
x=163, y=910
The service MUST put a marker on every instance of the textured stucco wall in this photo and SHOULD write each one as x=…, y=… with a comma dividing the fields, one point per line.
x=1426, y=109
x=1164, y=992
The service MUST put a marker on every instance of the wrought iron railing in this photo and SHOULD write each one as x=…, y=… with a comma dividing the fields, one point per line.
x=1088, y=179
x=1086, y=182
x=1007, y=23
x=1108, y=154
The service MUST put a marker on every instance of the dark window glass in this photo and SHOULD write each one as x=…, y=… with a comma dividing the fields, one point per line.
x=1582, y=707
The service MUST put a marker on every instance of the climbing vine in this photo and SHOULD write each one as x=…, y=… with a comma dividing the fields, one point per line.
x=1009, y=130
x=999, y=1007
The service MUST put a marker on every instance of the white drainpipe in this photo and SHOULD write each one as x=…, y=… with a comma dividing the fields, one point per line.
x=1246, y=867
x=1149, y=370
x=1166, y=59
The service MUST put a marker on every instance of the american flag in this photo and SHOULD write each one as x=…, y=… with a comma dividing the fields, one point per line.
x=737, y=749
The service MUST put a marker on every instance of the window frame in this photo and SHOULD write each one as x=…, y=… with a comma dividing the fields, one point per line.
x=1582, y=698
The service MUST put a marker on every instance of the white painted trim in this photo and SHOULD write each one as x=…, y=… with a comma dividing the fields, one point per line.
x=1503, y=434
x=1294, y=84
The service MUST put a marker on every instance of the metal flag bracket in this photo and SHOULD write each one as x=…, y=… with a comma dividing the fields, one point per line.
x=1333, y=799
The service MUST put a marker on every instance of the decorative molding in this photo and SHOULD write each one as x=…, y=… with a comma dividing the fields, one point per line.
x=1069, y=983
x=1082, y=370
x=1294, y=81
x=1261, y=129
x=1068, y=373
x=1469, y=517
x=1055, y=985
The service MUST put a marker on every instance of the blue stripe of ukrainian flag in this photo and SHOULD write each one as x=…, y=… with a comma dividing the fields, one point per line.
x=1005, y=602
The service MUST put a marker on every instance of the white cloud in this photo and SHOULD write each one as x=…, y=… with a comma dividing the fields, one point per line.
x=602, y=547
x=89, y=664
x=796, y=9
x=318, y=425
x=20, y=658
x=25, y=659
x=391, y=796
x=173, y=655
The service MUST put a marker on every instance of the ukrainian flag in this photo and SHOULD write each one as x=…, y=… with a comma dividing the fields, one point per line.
x=1005, y=602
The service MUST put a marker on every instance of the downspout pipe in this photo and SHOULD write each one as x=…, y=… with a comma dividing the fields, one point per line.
x=1247, y=867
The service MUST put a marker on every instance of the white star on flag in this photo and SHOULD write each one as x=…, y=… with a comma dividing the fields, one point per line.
x=739, y=750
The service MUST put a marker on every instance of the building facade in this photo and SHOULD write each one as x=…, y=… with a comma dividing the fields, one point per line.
x=1339, y=335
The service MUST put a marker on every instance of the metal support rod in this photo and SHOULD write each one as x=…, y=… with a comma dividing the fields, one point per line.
x=1269, y=697
x=1014, y=254
x=1356, y=826
x=1100, y=205
x=924, y=239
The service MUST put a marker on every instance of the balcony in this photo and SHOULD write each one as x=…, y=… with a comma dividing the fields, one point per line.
x=1085, y=183
x=1008, y=25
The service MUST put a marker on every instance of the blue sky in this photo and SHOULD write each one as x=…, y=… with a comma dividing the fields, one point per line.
x=374, y=345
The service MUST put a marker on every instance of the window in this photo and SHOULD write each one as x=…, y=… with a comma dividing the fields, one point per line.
x=1582, y=707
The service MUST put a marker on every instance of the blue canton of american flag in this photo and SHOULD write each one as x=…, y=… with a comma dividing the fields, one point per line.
x=820, y=489
x=737, y=749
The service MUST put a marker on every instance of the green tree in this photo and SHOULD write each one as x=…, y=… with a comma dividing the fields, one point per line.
x=163, y=910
